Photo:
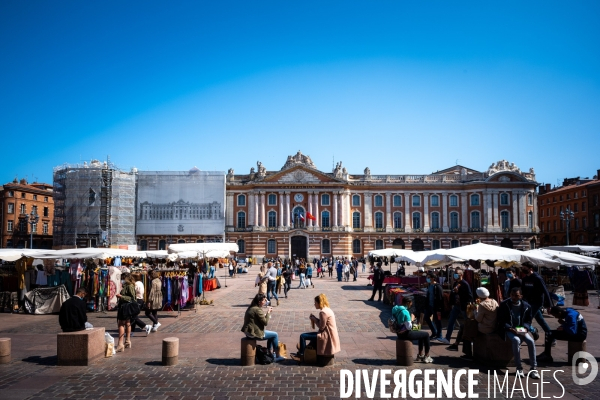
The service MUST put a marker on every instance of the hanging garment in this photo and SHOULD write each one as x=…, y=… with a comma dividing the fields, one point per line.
x=184, y=291
x=114, y=286
x=41, y=279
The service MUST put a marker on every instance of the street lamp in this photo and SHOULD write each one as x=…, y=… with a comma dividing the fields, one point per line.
x=567, y=215
x=32, y=219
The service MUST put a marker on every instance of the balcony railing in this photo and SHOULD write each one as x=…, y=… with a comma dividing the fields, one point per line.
x=326, y=228
x=379, y=229
x=435, y=230
x=417, y=230
x=455, y=229
x=507, y=229
x=475, y=229
x=398, y=229
x=272, y=228
x=358, y=229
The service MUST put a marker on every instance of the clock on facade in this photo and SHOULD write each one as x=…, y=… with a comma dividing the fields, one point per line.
x=298, y=197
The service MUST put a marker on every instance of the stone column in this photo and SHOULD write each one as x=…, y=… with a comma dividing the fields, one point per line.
x=407, y=221
x=310, y=210
x=341, y=219
x=445, y=212
x=254, y=209
x=523, y=209
x=463, y=211
x=229, y=209
x=335, y=209
x=535, y=213
x=281, y=211
x=287, y=210
x=388, y=211
x=496, y=208
x=262, y=209
x=515, y=210
x=425, y=212
x=368, y=217
x=316, y=199
x=489, y=212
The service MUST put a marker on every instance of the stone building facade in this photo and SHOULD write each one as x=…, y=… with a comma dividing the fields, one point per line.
x=303, y=211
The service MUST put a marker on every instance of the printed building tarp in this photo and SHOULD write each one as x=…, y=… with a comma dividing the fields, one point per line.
x=46, y=300
x=179, y=203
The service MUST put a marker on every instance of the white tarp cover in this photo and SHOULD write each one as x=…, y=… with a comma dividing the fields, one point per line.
x=575, y=248
x=15, y=254
x=418, y=257
x=46, y=300
x=387, y=252
x=565, y=258
x=101, y=253
x=219, y=250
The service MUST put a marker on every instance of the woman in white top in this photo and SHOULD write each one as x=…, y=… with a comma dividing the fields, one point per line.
x=139, y=296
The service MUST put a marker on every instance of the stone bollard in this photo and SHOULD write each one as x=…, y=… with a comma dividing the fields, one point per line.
x=170, y=351
x=574, y=347
x=248, y=352
x=404, y=353
x=5, y=350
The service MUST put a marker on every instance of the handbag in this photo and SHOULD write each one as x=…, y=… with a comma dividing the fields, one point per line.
x=283, y=350
x=394, y=328
x=130, y=309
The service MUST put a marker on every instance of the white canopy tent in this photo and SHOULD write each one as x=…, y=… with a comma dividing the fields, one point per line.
x=388, y=252
x=15, y=254
x=575, y=248
x=101, y=253
x=568, y=259
x=219, y=250
x=417, y=257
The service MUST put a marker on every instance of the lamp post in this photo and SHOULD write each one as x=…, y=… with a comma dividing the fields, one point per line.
x=567, y=215
x=32, y=219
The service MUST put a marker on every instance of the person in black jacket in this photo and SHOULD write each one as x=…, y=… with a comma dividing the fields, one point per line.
x=72, y=316
x=460, y=297
x=378, y=278
x=435, y=305
x=536, y=294
x=514, y=323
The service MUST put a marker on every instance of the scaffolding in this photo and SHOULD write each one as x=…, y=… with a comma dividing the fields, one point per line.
x=94, y=205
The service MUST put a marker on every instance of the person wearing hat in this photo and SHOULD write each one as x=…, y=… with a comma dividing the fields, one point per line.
x=486, y=311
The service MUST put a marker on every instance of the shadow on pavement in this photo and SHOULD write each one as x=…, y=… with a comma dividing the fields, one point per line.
x=356, y=288
x=373, y=361
x=223, y=361
x=153, y=363
x=50, y=360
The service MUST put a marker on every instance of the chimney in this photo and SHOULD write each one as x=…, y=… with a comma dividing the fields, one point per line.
x=548, y=186
x=598, y=174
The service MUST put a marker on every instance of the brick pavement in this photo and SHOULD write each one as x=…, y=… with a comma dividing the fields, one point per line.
x=209, y=352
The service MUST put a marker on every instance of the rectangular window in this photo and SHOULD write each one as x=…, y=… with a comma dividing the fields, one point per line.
x=23, y=209
x=45, y=199
x=325, y=220
x=9, y=227
x=11, y=193
x=356, y=220
x=45, y=228
x=23, y=196
x=435, y=201
x=271, y=247
x=35, y=196
x=576, y=207
x=435, y=221
x=378, y=220
x=435, y=245
x=416, y=201
x=356, y=200
x=34, y=228
x=325, y=246
x=378, y=201
x=453, y=201
x=325, y=199
x=46, y=212
x=272, y=200
x=11, y=208
x=454, y=221
x=272, y=219
x=241, y=220
x=241, y=200
x=475, y=200
x=416, y=220
x=397, y=201
x=34, y=209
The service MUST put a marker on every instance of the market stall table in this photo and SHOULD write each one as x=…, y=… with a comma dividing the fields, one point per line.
x=209, y=284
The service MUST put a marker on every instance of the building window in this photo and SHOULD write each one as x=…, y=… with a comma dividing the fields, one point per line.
x=23, y=225
x=379, y=220
x=435, y=200
x=576, y=195
x=504, y=199
x=34, y=228
x=162, y=244
x=143, y=245
x=325, y=246
x=576, y=223
x=378, y=200
x=23, y=209
x=435, y=245
x=474, y=199
x=355, y=200
x=597, y=221
x=454, y=201
x=45, y=199
x=505, y=218
x=584, y=223
x=241, y=200
x=356, y=247
x=35, y=196
x=356, y=220
x=554, y=226
x=530, y=219
x=576, y=207
x=530, y=199
x=241, y=246
x=272, y=219
x=416, y=220
x=378, y=244
x=34, y=209
x=46, y=212
x=453, y=220
x=11, y=193
x=241, y=219
x=554, y=210
x=9, y=227
x=91, y=197
x=181, y=241
x=23, y=196
x=272, y=199
x=475, y=222
x=271, y=246
x=325, y=199
x=435, y=220
x=11, y=208
x=397, y=200
x=560, y=197
x=583, y=206
x=416, y=201
x=454, y=243
x=325, y=219
x=397, y=220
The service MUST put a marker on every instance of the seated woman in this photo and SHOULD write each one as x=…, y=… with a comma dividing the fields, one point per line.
x=255, y=321
x=405, y=319
x=328, y=340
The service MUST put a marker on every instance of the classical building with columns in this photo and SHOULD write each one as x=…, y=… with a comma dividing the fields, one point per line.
x=301, y=211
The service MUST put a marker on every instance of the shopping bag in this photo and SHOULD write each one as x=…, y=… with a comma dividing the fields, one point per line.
x=109, y=349
x=310, y=356
x=283, y=350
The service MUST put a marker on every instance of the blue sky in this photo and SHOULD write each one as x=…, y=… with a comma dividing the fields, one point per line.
x=399, y=86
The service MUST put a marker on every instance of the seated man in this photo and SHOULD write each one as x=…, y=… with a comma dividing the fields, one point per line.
x=72, y=316
x=572, y=328
x=514, y=322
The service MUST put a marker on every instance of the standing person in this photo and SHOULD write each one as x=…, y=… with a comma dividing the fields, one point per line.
x=378, y=278
x=460, y=297
x=536, y=294
x=364, y=264
x=327, y=337
x=404, y=319
x=287, y=280
x=572, y=328
x=139, y=297
x=514, y=321
x=330, y=267
x=346, y=271
x=309, y=274
x=302, y=271
x=73, y=313
x=340, y=268
x=352, y=269
x=512, y=281
x=271, y=283
x=261, y=281
x=155, y=299
x=435, y=305
x=124, y=316
x=255, y=321
x=279, y=277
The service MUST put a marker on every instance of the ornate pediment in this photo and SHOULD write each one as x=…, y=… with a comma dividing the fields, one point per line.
x=298, y=159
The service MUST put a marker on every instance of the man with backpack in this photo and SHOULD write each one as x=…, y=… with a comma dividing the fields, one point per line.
x=572, y=328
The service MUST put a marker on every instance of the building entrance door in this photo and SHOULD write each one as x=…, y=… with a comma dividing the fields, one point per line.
x=299, y=246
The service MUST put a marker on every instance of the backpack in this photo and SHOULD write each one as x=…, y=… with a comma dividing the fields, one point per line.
x=262, y=356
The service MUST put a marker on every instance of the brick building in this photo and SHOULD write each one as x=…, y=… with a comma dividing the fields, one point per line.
x=267, y=212
x=577, y=196
x=19, y=200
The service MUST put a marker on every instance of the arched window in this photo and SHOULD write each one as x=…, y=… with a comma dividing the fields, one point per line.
x=378, y=200
x=356, y=220
x=379, y=220
x=474, y=199
x=435, y=244
x=505, y=219
x=397, y=220
x=378, y=244
x=504, y=199
x=356, y=246
x=435, y=220
x=453, y=200
x=241, y=200
x=453, y=220
x=416, y=200
x=272, y=216
x=475, y=222
x=143, y=245
x=241, y=219
x=435, y=200
x=356, y=200
x=325, y=219
x=271, y=246
x=299, y=217
x=530, y=219
x=162, y=244
x=181, y=241
x=416, y=220
x=397, y=200
x=241, y=246
x=325, y=246
x=454, y=243
x=325, y=199
x=199, y=241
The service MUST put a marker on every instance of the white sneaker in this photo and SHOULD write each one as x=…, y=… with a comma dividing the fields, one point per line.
x=427, y=359
x=534, y=374
x=520, y=373
x=444, y=340
x=155, y=327
x=148, y=328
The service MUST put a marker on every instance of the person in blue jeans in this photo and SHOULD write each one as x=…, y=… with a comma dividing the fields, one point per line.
x=272, y=282
x=435, y=305
x=536, y=294
x=460, y=297
x=255, y=321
